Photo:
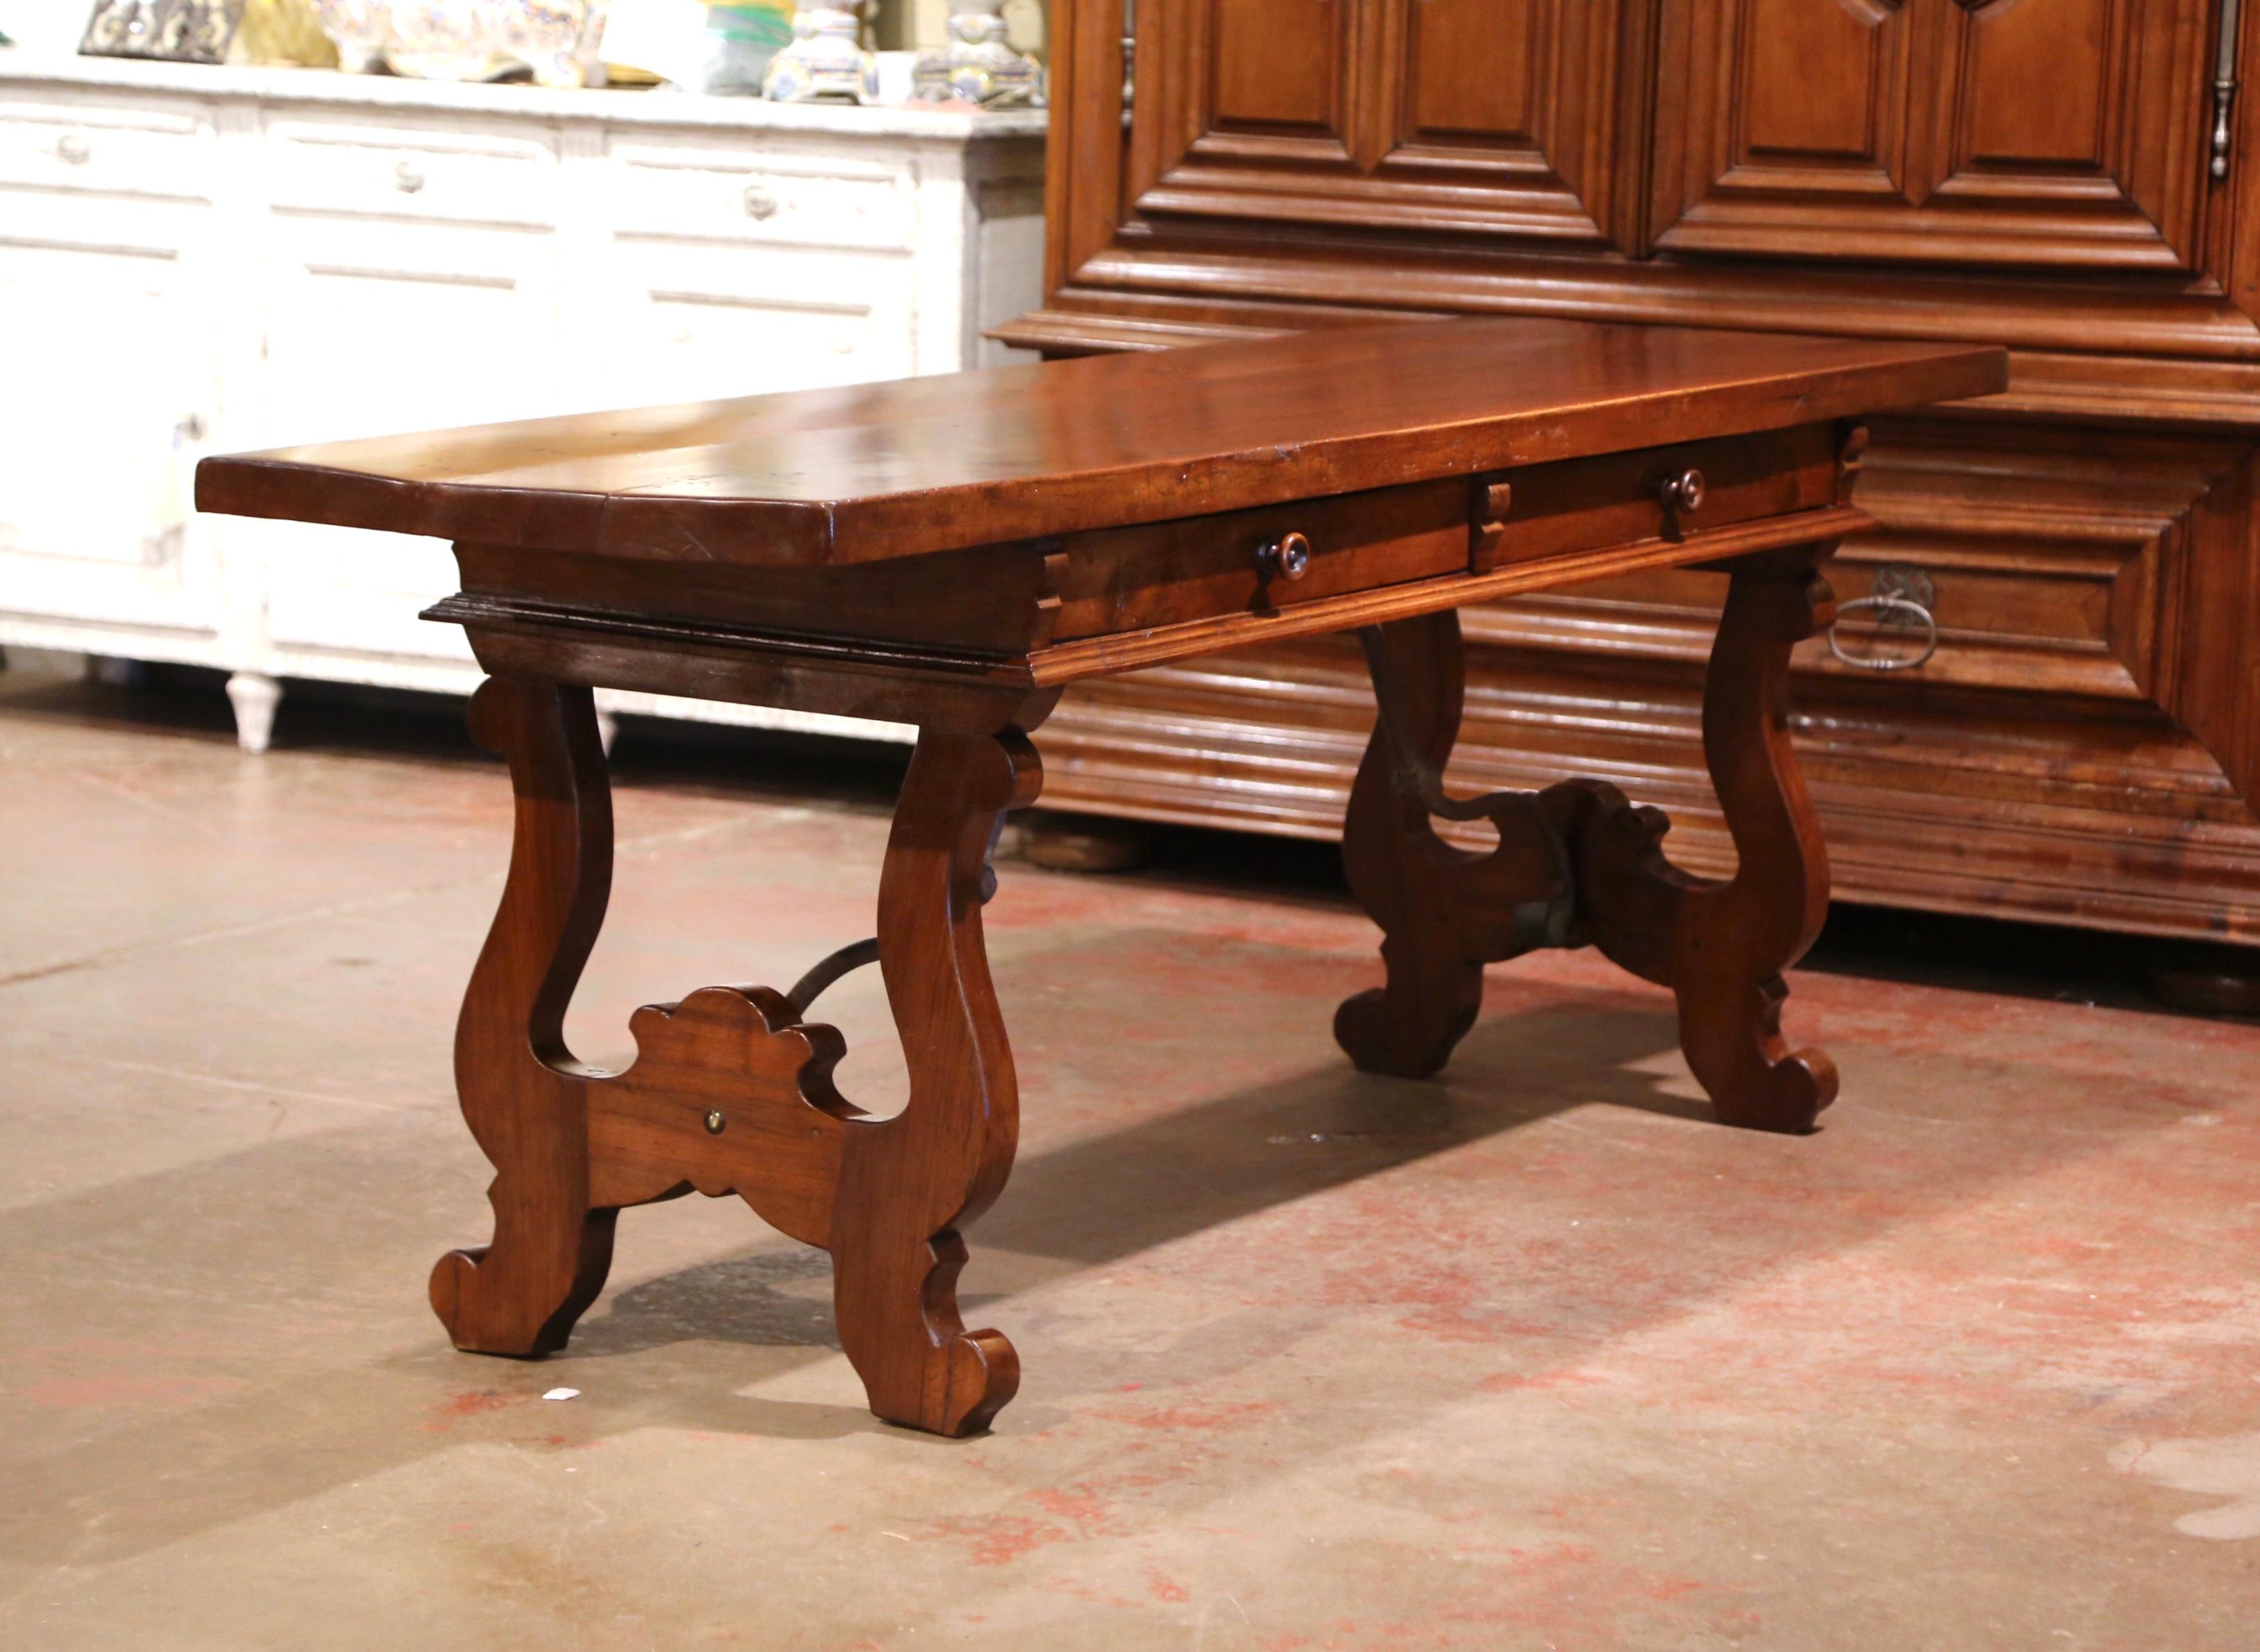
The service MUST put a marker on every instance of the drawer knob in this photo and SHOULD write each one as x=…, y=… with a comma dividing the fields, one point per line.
x=406, y=178
x=73, y=150
x=760, y=202
x=1683, y=493
x=1287, y=557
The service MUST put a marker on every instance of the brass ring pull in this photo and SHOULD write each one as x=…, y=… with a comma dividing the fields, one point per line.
x=1288, y=557
x=1893, y=612
x=1683, y=493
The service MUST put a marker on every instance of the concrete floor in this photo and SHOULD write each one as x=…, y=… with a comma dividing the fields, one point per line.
x=1532, y=1357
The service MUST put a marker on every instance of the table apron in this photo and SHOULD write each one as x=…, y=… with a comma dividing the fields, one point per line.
x=888, y=681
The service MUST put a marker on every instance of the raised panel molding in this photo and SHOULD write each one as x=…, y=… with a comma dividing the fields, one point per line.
x=1992, y=126
x=1772, y=120
x=1491, y=118
x=1278, y=64
x=1441, y=102
x=2066, y=134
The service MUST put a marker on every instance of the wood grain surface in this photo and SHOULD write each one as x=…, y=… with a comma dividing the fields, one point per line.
x=835, y=476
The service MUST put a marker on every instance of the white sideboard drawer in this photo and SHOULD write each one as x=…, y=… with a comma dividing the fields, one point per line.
x=669, y=192
x=364, y=171
x=692, y=323
x=153, y=152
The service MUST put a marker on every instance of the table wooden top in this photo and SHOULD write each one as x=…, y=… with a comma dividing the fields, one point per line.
x=873, y=471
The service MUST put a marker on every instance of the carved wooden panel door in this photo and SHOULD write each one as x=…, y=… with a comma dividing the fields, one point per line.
x=1500, y=119
x=2068, y=134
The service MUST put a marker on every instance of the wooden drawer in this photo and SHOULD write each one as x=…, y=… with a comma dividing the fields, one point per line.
x=2076, y=625
x=458, y=176
x=662, y=191
x=2046, y=555
x=1617, y=498
x=149, y=153
x=1128, y=579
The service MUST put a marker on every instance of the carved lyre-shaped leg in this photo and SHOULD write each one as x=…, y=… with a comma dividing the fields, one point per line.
x=731, y=1091
x=1401, y=872
x=907, y=1184
x=524, y=1104
x=1444, y=913
x=1721, y=946
x=1578, y=863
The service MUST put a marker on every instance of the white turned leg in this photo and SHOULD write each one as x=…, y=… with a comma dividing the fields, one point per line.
x=254, y=698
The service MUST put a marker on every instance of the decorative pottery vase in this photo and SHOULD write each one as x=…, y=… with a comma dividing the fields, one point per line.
x=977, y=66
x=362, y=30
x=470, y=39
x=560, y=40
x=446, y=40
x=827, y=58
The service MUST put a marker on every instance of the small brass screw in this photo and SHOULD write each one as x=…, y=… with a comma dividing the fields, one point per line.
x=717, y=1122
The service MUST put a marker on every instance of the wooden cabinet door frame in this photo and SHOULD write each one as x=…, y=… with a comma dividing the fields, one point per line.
x=1349, y=125
x=2089, y=342
x=1937, y=132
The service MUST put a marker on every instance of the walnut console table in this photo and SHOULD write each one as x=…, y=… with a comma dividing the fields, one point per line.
x=951, y=553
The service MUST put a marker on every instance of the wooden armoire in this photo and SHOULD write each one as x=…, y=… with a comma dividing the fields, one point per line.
x=2076, y=179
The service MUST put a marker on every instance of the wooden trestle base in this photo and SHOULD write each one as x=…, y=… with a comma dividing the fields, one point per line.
x=732, y=1091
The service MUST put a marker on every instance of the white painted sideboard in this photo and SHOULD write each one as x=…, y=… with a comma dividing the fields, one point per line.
x=199, y=259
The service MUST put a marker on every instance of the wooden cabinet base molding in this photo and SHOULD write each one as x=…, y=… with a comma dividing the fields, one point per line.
x=2118, y=822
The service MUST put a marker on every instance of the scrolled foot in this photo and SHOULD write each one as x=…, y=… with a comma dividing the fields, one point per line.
x=899, y=1324
x=1755, y=1081
x=521, y=1296
x=1410, y=1028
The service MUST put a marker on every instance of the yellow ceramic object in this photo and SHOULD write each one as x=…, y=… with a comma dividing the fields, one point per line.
x=283, y=31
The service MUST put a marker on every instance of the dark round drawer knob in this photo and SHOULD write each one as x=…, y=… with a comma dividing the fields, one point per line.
x=1683, y=493
x=1287, y=557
